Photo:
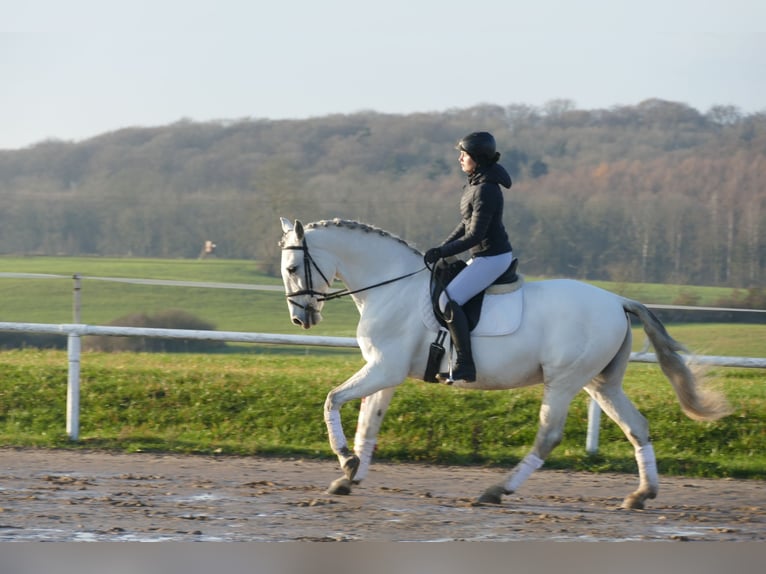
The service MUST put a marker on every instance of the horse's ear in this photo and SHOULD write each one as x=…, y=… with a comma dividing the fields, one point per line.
x=287, y=227
x=299, y=230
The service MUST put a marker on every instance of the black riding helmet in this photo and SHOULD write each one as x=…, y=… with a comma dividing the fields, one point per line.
x=480, y=146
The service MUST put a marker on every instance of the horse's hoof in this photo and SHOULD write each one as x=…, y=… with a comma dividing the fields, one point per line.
x=340, y=486
x=350, y=466
x=493, y=495
x=633, y=502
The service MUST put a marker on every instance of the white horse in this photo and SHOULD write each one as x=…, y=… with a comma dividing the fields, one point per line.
x=572, y=336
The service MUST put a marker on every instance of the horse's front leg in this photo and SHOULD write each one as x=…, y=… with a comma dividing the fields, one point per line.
x=371, y=414
x=369, y=380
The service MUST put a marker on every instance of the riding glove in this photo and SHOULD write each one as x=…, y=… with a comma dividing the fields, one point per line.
x=433, y=255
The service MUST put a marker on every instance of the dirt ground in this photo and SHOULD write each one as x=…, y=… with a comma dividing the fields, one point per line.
x=68, y=496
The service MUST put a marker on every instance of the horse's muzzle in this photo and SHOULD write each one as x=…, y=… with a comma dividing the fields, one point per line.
x=307, y=317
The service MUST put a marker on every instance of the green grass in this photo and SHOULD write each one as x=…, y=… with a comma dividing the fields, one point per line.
x=663, y=294
x=271, y=404
x=224, y=270
x=725, y=339
x=50, y=300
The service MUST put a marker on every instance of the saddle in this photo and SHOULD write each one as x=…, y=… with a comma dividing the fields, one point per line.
x=445, y=271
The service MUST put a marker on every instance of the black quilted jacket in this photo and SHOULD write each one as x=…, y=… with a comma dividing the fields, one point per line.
x=481, y=208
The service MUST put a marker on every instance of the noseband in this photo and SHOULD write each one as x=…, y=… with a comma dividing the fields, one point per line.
x=308, y=263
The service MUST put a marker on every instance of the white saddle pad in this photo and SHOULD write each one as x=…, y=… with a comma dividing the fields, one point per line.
x=500, y=313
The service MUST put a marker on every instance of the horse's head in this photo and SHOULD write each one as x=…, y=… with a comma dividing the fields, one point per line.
x=301, y=276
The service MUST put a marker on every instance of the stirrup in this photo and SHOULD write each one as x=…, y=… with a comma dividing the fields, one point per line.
x=456, y=377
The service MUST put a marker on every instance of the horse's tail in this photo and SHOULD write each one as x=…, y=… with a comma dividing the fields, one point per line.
x=696, y=402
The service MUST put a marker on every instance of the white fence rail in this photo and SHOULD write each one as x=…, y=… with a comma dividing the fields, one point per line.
x=76, y=330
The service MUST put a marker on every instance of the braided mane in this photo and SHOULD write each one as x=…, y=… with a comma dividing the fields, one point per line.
x=363, y=227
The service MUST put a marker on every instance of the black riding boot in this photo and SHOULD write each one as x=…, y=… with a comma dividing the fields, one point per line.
x=457, y=323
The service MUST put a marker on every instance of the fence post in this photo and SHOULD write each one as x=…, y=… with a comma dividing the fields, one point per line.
x=73, y=387
x=76, y=298
x=594, y=426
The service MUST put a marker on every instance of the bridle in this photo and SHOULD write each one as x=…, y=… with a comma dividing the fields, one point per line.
x=308, y=263
x=320, y=297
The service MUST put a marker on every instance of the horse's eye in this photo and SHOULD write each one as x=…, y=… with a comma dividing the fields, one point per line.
x=292, y=269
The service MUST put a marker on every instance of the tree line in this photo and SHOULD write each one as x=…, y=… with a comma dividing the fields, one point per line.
x=656, y=192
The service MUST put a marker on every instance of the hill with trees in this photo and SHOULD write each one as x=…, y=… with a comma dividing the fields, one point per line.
x=656, y=192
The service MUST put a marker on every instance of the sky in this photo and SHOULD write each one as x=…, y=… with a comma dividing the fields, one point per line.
x=74, y=69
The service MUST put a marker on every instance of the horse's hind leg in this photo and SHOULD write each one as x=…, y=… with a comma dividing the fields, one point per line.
x=553, y=414
x=618, y=407
x=607, y=391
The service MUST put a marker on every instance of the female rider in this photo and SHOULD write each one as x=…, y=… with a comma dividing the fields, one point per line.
x=481, y=231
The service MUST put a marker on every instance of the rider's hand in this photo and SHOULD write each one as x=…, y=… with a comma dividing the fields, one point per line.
x=433, y=255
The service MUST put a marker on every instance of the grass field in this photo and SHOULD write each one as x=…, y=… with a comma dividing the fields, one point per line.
x=50, y=300
x=255, y=400
x=272, y=404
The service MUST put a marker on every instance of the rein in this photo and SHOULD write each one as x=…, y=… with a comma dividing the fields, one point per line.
x=344, y=292
x=308, y=262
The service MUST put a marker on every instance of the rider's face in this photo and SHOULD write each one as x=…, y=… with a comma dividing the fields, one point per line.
x=466, y=162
